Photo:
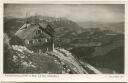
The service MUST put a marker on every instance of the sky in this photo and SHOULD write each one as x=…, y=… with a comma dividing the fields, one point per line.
x=75, y=12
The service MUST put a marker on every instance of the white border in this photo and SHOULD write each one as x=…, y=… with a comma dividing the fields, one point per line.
x=64, y=77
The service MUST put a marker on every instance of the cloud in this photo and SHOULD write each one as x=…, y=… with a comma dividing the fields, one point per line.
x=76, y=12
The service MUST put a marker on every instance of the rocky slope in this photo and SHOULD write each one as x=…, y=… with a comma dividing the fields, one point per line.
x=19, y=59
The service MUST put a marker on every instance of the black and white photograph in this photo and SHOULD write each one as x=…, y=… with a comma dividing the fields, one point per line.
x=63, y=38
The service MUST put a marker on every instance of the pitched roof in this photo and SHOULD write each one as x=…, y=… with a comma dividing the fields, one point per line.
x=31, y=31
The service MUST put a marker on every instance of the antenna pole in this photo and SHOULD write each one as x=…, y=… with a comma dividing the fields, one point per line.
x=26, y=20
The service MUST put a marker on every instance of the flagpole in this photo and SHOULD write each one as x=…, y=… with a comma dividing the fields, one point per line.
x=26, y=20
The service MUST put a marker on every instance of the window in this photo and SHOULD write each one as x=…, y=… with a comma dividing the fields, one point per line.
x=39, y=31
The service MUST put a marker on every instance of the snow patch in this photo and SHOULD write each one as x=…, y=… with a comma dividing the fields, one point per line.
x=21, y=48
